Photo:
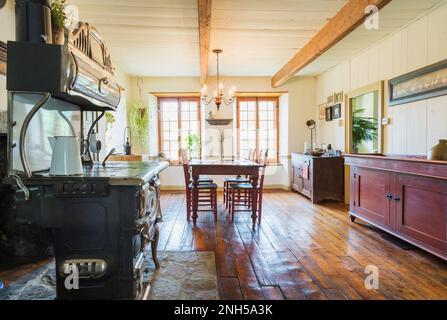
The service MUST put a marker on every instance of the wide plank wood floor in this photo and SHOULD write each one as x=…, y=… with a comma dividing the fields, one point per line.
x=302, y=251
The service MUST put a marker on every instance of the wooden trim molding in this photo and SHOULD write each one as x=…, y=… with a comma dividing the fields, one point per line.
x=274, y=160
x=175, y=94
x=379, y=87
x=260, y=94
x=178, y=100
x=204, y=7
x=2, y=58
x=351, y=16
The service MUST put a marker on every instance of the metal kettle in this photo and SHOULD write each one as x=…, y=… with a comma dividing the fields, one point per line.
x=66, y=159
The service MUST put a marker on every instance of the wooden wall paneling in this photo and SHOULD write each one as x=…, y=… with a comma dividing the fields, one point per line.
x=385, y=66
x=399, y=54
x=416, y=139
x=374, y=65
x=399, y=123
x=417, y=53
x=437, y=37
x=436, y=120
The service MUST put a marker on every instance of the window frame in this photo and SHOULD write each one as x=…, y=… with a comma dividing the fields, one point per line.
x=272, y=160
x=179, y=101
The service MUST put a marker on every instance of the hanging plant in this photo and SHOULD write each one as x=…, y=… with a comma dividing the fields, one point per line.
x=139, y=122
x=110, y=118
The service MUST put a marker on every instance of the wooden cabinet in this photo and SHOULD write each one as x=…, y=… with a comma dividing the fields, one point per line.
x=370, y=187
x=318, y=178
x=421, y=210
x=406, y=197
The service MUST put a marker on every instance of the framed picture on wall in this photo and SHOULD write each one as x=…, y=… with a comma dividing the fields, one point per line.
x=425, y=83
x=338, y=97
x=328, y=113
x=330, y=99
x=322, y=111
x=336, y=111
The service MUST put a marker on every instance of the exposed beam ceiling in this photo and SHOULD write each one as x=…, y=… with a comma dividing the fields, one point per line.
x=156, y=38
x=342, y=24
x=204, y=7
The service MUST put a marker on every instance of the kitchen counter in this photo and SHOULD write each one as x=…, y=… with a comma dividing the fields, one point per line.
x=116, y=172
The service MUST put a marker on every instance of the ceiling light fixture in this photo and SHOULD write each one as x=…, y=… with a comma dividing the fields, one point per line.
x=219, y=95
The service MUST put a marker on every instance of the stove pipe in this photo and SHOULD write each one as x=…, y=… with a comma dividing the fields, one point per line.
x=33, y=21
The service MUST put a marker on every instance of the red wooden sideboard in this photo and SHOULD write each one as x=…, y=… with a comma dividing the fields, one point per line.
x=404, y=196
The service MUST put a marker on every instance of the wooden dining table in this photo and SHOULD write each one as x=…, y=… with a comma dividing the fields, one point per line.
x=227, y=168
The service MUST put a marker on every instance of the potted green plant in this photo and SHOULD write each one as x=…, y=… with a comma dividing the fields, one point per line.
x=58, y=21
x=364, y=129
x=139, y=122
x=192, y=142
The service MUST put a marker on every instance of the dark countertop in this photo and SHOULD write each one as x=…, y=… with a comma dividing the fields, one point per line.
x=243, y=163
x=119, y=173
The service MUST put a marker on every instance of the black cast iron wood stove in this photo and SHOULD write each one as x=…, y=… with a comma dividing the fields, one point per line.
x=100, y=226
x=101, y=221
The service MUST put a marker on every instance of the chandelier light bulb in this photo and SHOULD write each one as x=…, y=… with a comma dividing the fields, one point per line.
x=219, y=95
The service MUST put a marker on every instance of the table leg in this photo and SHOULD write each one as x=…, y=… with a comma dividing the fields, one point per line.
x=254, y=202
x=195, y=197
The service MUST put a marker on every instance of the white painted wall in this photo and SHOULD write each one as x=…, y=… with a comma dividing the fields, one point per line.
x=7, y=33
x=415, y=127
x=114, y=135
x=297, y=105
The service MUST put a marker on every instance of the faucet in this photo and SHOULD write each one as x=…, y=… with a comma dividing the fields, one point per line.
x=111, y=152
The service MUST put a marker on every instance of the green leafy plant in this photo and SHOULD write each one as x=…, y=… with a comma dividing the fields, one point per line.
x=110, y=118
x=58, y=13
x=139, y=121
x=364, y=129
x=192, y=142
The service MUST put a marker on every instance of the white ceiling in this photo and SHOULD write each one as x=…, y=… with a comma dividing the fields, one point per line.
x=161, y=37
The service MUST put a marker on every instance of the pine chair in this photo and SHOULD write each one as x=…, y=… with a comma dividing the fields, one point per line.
x=207, y=191
x=239, y=192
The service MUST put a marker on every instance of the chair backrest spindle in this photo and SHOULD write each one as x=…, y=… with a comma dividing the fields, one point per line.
x=185, y=162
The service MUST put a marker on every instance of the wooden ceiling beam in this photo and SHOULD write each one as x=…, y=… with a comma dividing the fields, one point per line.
x=204, y=7
x=351, y=16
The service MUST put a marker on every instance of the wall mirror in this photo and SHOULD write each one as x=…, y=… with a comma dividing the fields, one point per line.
x=364, y=119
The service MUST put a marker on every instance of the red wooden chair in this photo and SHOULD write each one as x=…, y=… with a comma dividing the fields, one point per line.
x=239, y=192
x=207, y=190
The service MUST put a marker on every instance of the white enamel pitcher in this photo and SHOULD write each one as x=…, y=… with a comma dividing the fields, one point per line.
x=66, y=159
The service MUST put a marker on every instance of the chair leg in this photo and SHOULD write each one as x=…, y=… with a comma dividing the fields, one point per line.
x=224, y=191
x=233, y=200
x=214, y=204
x=227, y=205
x=188, y=206
x=260, y=207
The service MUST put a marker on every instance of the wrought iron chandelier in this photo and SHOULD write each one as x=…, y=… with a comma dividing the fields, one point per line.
x=219, y=95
